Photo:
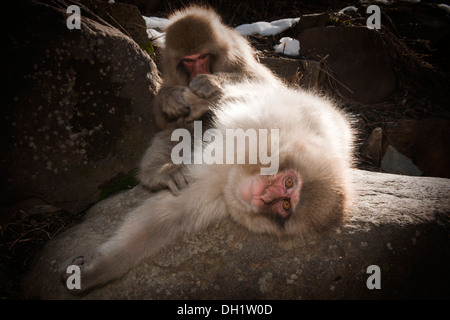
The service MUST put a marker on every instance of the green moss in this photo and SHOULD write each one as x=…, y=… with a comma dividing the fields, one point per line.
x=126, y=182
x=148, y=47
x=342, y=22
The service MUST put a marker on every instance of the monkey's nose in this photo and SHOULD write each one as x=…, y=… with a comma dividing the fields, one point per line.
x=266, y=198
x=271, y=194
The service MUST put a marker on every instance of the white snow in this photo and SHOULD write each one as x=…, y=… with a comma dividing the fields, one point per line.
x=155, y=29
x=156, y=23
x=158, y=38
x=348, y=10
x=288, y=46
x=267, y=28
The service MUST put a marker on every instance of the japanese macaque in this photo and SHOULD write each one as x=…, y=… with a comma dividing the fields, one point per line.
x=201, y=56
x=307, y=193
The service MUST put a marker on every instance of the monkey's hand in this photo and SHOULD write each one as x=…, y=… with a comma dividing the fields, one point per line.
x=199, y=107
x=208, y=86
x=171, y=101
x=172, y=176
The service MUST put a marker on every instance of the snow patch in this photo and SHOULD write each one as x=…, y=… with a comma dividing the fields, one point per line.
x=348, y=10
x=288, y=46
x=267, y=28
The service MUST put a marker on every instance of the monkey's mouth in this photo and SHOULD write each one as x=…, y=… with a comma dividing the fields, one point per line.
x=246, y=190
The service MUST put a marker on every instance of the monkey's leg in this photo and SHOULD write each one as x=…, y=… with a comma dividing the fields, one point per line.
x=145, y=231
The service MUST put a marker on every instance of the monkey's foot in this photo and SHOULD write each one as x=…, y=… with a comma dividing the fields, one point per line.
x=81, y=272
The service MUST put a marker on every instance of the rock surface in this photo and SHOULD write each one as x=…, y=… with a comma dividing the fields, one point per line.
x=304, y=73
x=398, y=223
x=425, y=141
x=395, y=162
x=79, y=113
x=356, y=57
x=124, y=17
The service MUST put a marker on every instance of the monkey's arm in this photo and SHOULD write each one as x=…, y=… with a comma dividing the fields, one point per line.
x=157, y=171
x=179, y=106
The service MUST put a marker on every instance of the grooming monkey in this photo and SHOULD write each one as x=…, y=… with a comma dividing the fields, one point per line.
x=308, y=195
x=200, y=57
x=201, y=54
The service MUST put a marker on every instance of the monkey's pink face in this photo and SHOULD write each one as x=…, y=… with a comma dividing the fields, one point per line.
x=197, y=64
x=279, y=193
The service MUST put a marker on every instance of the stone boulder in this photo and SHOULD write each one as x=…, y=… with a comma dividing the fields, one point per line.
x=147, y=7
x=124, y=17
x=356, y=57
x=425, y=141
x=395, y=162
x=307, y=74
x=398, y=223
x=78, y=114
x=312, y=20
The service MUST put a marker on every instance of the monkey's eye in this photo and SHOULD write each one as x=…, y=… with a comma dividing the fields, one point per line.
x=289, y=182
x=286, y=205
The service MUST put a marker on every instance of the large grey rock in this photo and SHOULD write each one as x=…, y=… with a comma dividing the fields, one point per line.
x=425, y=141
x=124, y=17
x=400, y=224
x=78, y=112
x=395, y=162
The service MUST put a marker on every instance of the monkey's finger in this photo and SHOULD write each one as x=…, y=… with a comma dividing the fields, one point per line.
x=197, y=112
x=188, y=178
x=173, y=187
x=176, y=107
x=184, y=109
x=180, y=179
x=188, y=125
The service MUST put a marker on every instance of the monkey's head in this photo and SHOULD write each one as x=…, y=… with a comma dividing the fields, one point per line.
x=197, y=42
x=310, y=192
x=295, y=201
